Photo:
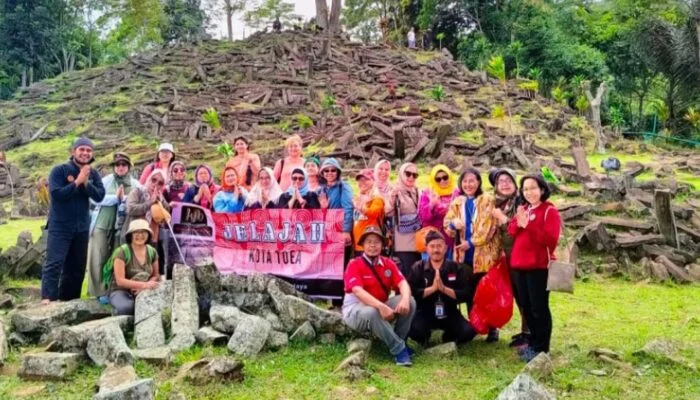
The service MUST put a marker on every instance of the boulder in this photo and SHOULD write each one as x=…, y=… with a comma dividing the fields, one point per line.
x=249, y=302
x=48, y=365
x=541, y=366
x=225, y=318
x=234, y=283
x=664, y=350
x=142, y=389
x=295, y=311
x=108, y=346
x=524, y=387
x=210, y=336
x=276, y=340
x=4, y=346
x=250, y=336
x=116, y=375
x=212, y=370
x=359, y=345
x=162, y=355
x=185, y=310
x=74, y=339
x=182, y=341
x=42, y=319
x=327, y=338
x=273, y=319
x=694, y=271
x=7, y=301
x=257, y=283
x=658, y=272
x=208, y=279
x=148, y=316
x=305, y=333
x=24, y=240
x=443, y=350
x=17, y=339
x=352, y=367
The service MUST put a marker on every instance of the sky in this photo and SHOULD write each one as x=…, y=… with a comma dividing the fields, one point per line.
x=305, y=8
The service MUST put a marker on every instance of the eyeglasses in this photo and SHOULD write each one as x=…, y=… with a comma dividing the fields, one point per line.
x=333, y=171
x=410, y=174
x=298, y=178
x=178, y=170
x=439, y=179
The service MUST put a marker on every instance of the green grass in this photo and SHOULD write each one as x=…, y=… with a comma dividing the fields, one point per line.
x=9, y=231
x=618, y=315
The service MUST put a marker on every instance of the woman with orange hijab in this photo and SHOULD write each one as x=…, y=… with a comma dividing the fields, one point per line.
x=231, y=197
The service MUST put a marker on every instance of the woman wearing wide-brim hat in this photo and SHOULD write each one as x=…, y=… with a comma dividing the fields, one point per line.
x=135, y=268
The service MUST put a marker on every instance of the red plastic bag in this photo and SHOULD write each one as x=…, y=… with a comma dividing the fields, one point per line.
x=493, y=301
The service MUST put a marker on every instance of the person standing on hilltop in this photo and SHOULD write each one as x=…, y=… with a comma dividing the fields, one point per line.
x=165, y=157
x=411, y=39
x=109, y=216
x=293, y=160
x=71, y=186
x=246, y=164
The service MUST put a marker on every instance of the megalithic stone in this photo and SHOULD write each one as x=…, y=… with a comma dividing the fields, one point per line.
x=664, y=216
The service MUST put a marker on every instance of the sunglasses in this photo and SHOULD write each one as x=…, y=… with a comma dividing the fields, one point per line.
x=335, y=171
x=439, y=179
x=409, y=174
x=158, y=182
x=298, y=178
x=178, y=170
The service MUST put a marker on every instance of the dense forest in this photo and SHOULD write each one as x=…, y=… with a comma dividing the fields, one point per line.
x=642, y=56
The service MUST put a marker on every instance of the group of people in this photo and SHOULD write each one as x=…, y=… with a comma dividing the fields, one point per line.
x=432, y=247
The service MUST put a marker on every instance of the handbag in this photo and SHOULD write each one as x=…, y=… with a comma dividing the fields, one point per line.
x=561, y=275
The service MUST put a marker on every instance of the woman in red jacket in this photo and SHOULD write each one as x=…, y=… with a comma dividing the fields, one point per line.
x=535, y=230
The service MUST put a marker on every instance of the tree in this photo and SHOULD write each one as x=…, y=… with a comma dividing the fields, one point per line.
x=322, y=14
x=594, y=103
x=184, y=20
x=230, y=7
x=268, y=11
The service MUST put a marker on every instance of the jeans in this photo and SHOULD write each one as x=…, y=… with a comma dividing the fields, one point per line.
x=122, y=301
x=64, y=271
x=362, y=317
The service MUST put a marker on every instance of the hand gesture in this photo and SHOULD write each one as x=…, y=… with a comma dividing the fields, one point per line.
x=387, y=313
x=347, y=238
x=521, y=216
x=404, y=306
x=120, y=192
x=206, y=191
x=323, y=200
x=152, y=285
x=263, y=198
x=458, y=224
x=464, y=246
x=237, y=191
x=83, y=175
x=498, y=214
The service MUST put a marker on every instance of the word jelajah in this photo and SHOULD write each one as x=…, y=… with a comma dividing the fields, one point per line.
x=289, y=233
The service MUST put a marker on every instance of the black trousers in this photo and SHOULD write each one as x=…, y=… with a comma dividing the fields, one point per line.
x=456, y=328
x=64, y=271
x=534, y=300
x=406, y=260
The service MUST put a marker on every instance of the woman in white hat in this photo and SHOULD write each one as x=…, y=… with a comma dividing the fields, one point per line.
x=165, y=156
x=135, y=268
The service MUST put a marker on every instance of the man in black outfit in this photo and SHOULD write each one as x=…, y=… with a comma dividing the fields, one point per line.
x=438, y=286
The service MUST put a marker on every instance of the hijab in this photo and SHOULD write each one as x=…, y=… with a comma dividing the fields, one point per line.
x=384, y=187
x=196, y=179
x=256, y=192
x=401, y=184
x=304, y=189
x=507, y=204
x=224, y=186
x=449, y=190
x=175, y=184
x=154, y=173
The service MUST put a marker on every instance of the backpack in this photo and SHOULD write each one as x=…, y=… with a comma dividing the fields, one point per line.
x=108, y=268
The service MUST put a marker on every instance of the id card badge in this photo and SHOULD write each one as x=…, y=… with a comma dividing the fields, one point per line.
x=440, y=309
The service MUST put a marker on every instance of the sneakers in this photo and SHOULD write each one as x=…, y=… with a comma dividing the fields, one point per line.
x=528, y=354
x=519, y=340
x=403, y=359
x=411, y=352
x=492, y=336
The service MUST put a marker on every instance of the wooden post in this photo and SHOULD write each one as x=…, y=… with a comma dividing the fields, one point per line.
x=581, y=162
x=399, y=145
x=664, y=216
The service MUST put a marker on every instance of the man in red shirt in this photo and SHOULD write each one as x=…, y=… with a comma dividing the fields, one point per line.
x=367, y=306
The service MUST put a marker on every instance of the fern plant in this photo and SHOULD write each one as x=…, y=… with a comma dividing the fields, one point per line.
x=225, y=150
x=581, y=104
x=304, y=121
x=440, y=36
x=497, y=68
x=285, y=126
x=498, y=112
x=438, y=93
x=211, y=117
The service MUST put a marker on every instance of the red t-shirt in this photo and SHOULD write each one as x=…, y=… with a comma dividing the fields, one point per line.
x=358, y=273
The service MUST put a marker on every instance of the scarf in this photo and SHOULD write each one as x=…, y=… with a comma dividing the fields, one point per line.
x=256, y=192
x=197, y=183
x=384, y=187
x=304, y=189
x=224, y=186
x=175, y=185
x=436, y=187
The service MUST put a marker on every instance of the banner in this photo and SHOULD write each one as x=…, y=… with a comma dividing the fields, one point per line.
x=305, y=247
